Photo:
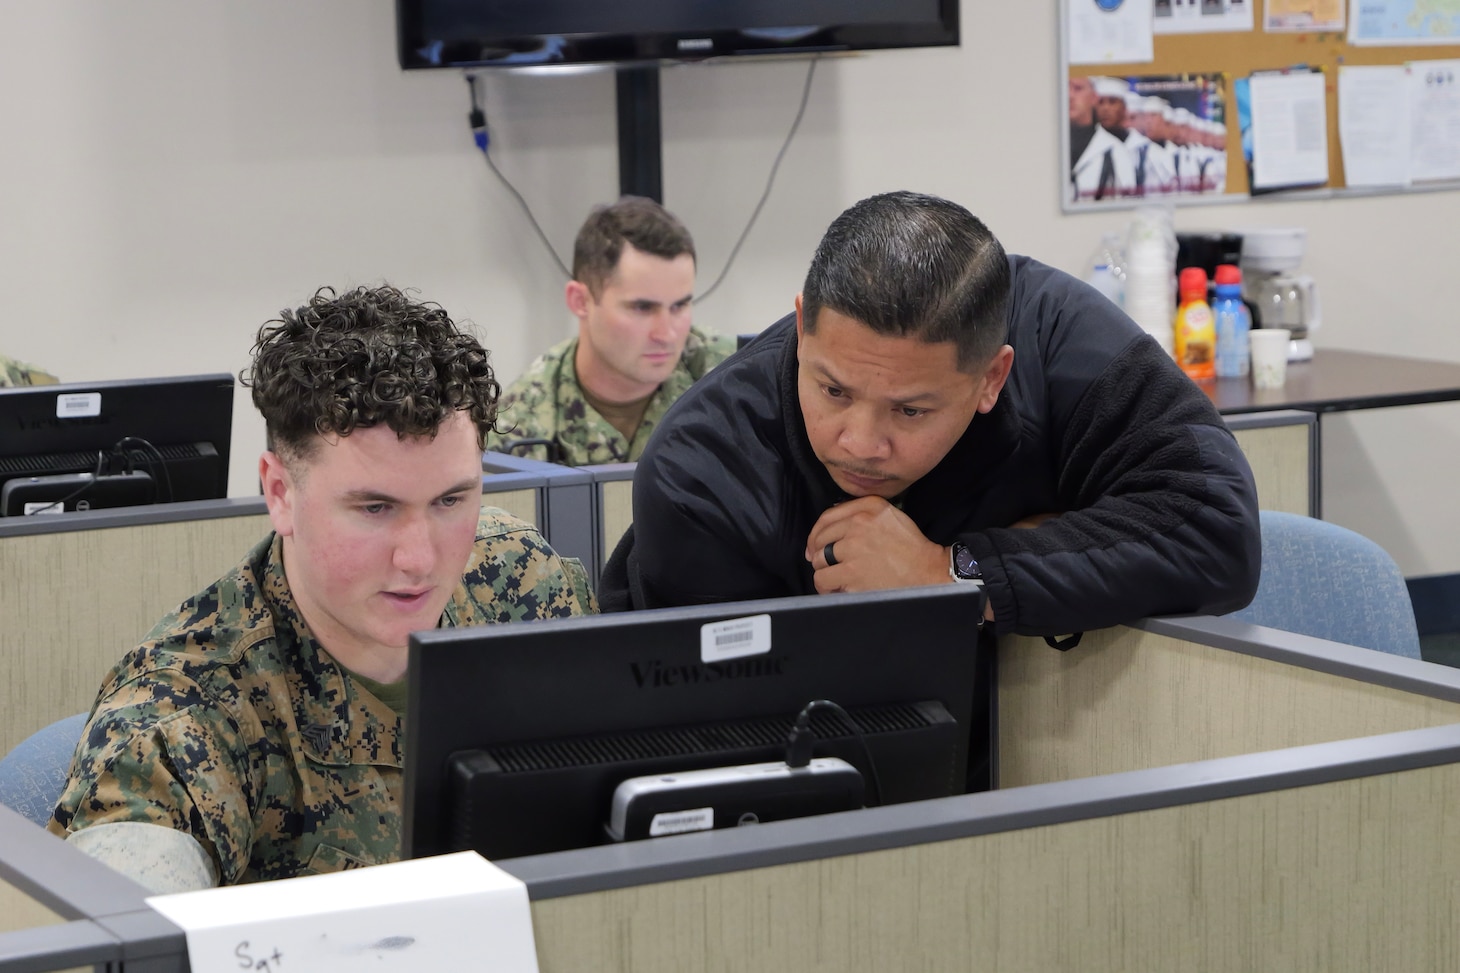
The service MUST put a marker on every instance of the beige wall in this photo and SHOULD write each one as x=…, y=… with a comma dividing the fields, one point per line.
x=176, y=172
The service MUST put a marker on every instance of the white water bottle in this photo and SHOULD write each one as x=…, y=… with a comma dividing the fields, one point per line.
x=1106, y=269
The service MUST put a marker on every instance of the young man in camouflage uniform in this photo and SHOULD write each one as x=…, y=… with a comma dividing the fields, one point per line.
x=13, y=372
x=597, y=397
x=256, y=731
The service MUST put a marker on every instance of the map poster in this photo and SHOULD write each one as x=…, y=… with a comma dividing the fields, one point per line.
x=1404, y=22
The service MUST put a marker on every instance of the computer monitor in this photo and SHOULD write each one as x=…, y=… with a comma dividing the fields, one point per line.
x=81, y=446
x=518, y=735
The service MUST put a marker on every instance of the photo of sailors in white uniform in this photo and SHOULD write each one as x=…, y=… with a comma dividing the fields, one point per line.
x=1126, y=141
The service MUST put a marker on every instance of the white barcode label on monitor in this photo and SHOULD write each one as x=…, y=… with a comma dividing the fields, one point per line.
x=735, y=637
x=78, y=405
x=678, y=822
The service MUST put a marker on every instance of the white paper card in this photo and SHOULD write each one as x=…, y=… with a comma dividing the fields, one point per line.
x=1373, y=124
x=1109, y=31
x=78, y=405
x=1434, y=119
x=1289, y=130
x=735, y=638
x=452, y=912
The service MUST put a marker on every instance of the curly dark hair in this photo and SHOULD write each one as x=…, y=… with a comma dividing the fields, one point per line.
x=364, y=357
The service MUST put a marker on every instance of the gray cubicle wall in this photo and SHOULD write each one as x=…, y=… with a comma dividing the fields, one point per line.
x=61, y=910
x=613, y=505
x=1280, y=446
x=1310, y=847
x=566, y=517
x=1331, y=848
x=82, y=588
x=1282, y=449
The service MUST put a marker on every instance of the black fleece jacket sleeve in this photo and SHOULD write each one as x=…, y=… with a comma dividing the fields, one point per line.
x=1159, y=511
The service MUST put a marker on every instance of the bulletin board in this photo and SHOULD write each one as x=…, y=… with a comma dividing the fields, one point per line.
x=1239, y=54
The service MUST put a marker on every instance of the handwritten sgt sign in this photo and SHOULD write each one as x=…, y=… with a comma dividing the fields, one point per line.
x=453, y=912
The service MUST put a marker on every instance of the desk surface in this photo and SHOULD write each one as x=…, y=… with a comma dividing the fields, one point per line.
x=1336, y=381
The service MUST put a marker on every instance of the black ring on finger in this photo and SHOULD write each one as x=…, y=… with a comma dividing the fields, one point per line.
x=829, y=554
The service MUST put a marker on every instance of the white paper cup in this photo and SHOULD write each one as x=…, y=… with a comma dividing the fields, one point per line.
x=1270, y=357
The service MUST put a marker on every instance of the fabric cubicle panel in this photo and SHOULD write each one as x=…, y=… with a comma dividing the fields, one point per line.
x=1319, y=856
x=1282, y=449
x=1131, y=698
x=82, y=589
x=78, y=597
x=613, y=502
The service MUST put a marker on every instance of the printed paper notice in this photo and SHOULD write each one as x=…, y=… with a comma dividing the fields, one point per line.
x=1434, y=119
x=1373, y=125
x=1202, y=16
x=1404, y=22
x=1304, y=15
x=1109, y=31
x=1289, y=130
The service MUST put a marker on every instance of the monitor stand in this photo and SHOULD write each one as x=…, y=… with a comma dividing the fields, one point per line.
x=640, y=144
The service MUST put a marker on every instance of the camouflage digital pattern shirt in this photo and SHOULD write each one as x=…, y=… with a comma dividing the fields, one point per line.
x=547, y=403
x=13, y=372
x=232, y=724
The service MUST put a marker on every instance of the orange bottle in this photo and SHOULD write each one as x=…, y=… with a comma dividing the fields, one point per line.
x=1196, y=329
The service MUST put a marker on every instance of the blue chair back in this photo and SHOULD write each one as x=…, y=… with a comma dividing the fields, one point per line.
x=1324, y=580
x=33, y=775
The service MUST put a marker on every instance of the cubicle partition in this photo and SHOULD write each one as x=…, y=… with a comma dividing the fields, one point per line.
x=1280, y=446
x=1241, y=815
x=60, y=910
x=1180, y=794
x=565, y=505
x=613, y=505
x=82, y=588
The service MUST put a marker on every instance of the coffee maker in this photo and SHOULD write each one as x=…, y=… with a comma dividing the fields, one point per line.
x=1281, y=297
x=1207, y=250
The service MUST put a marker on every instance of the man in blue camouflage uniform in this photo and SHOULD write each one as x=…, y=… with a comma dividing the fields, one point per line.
x=256, y=733
x=597, y=397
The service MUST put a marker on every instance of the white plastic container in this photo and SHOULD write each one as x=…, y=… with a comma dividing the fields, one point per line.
x=1150, y=273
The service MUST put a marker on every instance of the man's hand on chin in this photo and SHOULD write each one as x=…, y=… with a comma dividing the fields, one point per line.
x=873, y=546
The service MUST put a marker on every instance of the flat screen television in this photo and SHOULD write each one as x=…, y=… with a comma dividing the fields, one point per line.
x=518, y=736
x=510, y=33
x=83, y=446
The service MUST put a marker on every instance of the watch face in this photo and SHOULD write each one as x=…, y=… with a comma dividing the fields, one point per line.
x=964, y=562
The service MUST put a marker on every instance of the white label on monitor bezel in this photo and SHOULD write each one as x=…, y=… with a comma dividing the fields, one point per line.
x=78, y=405
x=735, y=638
x=682, y=822
x=43, y=507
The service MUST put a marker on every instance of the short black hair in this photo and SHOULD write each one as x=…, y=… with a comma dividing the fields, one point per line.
x=635, y=220
x=906, y=264
x=362, y=358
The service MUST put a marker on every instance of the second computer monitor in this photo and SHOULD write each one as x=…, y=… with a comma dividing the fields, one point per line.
x=114, y=443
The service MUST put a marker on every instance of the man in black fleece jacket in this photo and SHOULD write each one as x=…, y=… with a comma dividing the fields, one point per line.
x=938, y=411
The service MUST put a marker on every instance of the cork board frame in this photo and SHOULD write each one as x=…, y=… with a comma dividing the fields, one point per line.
x=1237, y=55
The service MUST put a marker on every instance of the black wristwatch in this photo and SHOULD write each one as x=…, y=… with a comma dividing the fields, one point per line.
x=962, y=566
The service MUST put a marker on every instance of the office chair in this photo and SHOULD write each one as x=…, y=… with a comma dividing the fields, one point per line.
x=1324, y=580
x=33, y=775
